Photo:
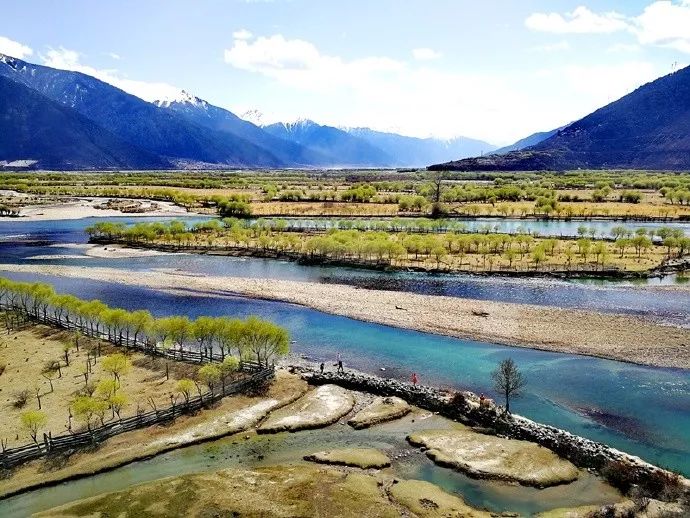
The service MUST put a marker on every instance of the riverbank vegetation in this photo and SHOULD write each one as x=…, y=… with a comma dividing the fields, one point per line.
x=72, y=364
x=575, y=194
x=428, y=245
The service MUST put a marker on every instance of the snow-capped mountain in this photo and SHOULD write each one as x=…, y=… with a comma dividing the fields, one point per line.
x=254, y=116
x=141, y=124
x=348, y=150
x=183, y=97
x=185, y=129
x=418, y=152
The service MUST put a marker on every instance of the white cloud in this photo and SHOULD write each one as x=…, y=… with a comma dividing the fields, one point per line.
x=580, y=21
x=664, y=24
x=114, y=56
x=67, y=59
x=425, y=54
x=623, y=47
x=606, y=83
x=299, y=63
x=242, y=34
x=14, y=48
x=553, y=47
x=419, y=99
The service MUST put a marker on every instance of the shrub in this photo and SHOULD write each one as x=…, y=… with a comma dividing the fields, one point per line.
x=438, y=210
x=20, y=398
x=661, y=485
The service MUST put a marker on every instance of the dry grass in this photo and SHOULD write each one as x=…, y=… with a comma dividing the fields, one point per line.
x=289, y=208
x=27, y=352
x=286, y=491
x=138, y=444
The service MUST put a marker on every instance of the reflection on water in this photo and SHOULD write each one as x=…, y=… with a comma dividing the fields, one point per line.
x=291, y=447
x=57, y=239
x=561, y=387
x=559, y=384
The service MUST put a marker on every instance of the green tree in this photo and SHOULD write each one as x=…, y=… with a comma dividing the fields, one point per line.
x=265, y=340
x=185, y=387
x=33, y=421
x=209, y=374
x=116, y=364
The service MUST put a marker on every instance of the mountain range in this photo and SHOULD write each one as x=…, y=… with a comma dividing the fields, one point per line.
x=646, y=129
x=59, y=119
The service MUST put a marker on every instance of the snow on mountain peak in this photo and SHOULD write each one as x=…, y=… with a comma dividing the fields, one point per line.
x=254, y=116
x=181, y=97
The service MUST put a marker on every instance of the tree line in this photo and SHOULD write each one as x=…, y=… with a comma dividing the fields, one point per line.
x=438, y=244
x=252, y=338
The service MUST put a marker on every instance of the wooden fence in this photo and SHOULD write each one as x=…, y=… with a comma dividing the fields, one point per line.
x=69, y=442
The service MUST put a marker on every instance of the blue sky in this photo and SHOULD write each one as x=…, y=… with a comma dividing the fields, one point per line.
x=496, y=70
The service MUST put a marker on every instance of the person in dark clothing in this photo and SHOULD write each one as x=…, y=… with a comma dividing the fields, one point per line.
x=322, y=367
x=340, y=367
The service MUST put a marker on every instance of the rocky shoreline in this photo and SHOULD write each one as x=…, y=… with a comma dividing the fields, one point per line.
x=465, y=408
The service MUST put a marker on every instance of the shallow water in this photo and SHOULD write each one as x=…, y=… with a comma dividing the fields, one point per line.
x=541, y=227
x=290, y=448
x=20, y=241
x=641, y=410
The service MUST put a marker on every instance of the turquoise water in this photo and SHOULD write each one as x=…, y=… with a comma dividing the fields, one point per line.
x=641, y=410
x=20, y=241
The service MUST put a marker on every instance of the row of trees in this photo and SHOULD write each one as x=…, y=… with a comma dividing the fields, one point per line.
x=401, y=247
x=171, y=230
x=252, y=338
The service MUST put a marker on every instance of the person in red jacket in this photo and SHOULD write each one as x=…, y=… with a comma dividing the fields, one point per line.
x=414, y=379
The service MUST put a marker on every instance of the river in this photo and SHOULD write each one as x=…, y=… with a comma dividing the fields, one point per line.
x=642, y=410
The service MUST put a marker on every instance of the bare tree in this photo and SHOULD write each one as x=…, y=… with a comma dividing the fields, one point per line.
x=508, y=380
x=437, y=178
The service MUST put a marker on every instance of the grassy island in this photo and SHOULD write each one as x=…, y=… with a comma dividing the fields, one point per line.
x=439, y=245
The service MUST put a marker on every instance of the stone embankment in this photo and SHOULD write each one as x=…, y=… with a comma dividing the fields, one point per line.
x=465, y=408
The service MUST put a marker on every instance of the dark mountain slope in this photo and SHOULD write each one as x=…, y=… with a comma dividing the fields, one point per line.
x=204, y=114
x=34, y=127
x=136, y=121
x=343, y=149
x=647, y=129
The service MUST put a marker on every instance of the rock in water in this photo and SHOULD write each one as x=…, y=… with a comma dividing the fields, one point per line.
x=318, y=408
x=381, y=410
x=488, y=456
x=364, y=458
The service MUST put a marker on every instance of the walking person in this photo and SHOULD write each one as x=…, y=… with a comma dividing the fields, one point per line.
x=414, y=379
x=322, y=367
x=341, y=370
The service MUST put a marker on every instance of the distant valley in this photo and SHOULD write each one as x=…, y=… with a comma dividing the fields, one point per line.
x=58, y=119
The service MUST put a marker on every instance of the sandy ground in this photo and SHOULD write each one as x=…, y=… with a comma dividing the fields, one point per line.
x=365, y=458
x=25, y=353
x=77, y=208
x=382, y=409
x=320, y=407
x=119, y=252
x=617, y=337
